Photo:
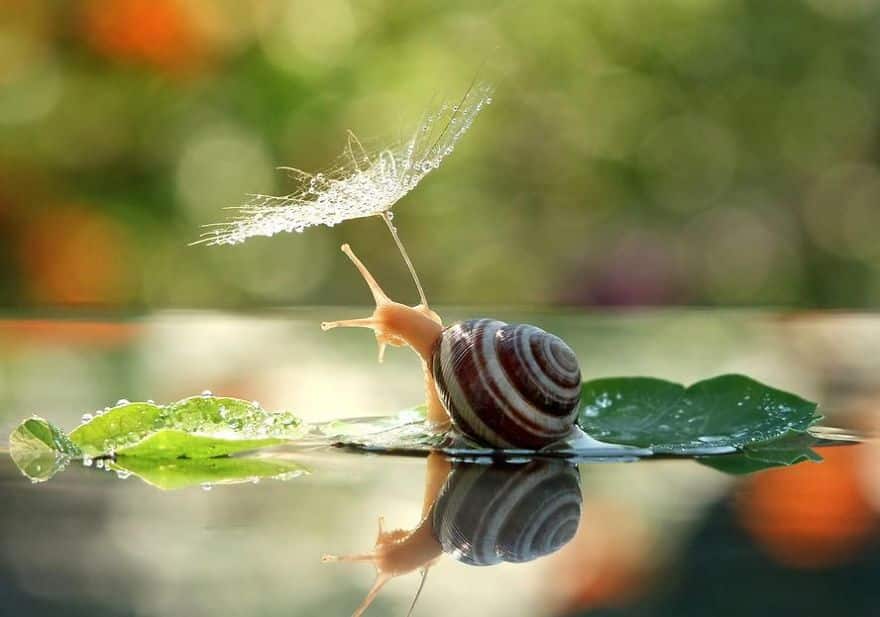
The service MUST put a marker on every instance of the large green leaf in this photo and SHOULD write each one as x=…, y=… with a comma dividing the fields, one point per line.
x=171, y=474
x=726, y=412
x=40, y=449
x=196, y=427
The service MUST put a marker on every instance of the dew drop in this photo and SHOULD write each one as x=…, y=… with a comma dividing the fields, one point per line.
x=122, y=401
x=207, y=487
x=207, y=393
x=87, y=462
x=86, y=417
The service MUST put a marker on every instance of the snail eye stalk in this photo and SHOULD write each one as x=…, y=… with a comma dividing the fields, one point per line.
x=393, y=323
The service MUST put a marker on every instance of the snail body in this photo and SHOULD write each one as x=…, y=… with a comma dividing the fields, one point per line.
x=501, y=385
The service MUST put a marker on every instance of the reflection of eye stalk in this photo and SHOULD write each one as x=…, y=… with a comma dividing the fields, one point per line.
x=482, y=515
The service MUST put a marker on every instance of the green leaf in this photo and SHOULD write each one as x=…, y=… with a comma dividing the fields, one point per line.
x=122, y=425
x=171, y=474
x=40, y=449
x=726, y=412
x=169, y=444
x=182, y=444
x=196, y=427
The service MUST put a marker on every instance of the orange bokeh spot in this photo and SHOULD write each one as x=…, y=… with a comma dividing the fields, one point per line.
x=160, y=33
x=810, y=515
x=74, y=256
x=606, y=564
x=47, y=331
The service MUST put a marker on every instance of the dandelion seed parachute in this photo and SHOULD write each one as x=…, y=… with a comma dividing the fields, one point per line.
x=362, y=185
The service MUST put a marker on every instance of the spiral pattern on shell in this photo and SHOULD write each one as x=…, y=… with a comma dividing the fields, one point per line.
x=514, y=513
x=507, y=385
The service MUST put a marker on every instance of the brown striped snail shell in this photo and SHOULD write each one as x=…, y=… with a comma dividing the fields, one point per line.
x=507, y=513
x=507, y=385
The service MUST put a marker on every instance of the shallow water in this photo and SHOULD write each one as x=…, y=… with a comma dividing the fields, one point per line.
x=655, y=537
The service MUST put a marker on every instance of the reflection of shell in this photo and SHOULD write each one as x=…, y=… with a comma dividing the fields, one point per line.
x=507, y=385
x=488, y=514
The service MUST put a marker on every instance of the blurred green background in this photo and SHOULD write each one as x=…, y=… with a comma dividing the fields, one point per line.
x=719, y=152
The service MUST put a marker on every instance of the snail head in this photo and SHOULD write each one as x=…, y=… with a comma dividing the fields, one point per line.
x=393, y=323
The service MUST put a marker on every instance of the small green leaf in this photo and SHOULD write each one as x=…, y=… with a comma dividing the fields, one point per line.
x=196, y=427
x=122, y=425
x=170, y=474
x=40, y=449
x=726, y=412
x=169, y=444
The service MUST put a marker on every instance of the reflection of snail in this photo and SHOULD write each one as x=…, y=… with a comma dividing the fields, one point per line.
x=508, y=386
x=490, y=514
x=482, y=515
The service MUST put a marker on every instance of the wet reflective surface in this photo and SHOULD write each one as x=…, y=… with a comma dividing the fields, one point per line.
x=656, y=537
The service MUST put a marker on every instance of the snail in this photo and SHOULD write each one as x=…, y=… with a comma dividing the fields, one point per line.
x=502, y=385
x=480, y=515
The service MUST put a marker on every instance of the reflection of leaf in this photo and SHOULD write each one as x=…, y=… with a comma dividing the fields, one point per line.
x=200, y=426
x=789, y=450
x=170, y=474
x=40, y=449
x=727, y=412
